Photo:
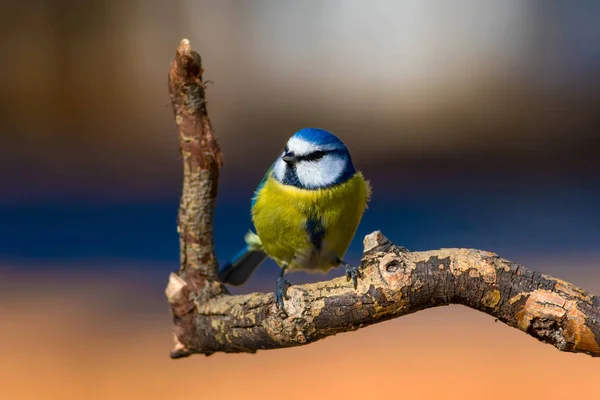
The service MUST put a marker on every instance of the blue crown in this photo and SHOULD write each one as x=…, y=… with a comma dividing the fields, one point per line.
x=319, y=137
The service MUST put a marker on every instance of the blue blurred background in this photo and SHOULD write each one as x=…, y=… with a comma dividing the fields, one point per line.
x=477, y=123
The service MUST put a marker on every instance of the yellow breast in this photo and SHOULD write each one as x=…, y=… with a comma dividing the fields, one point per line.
x=281, y=212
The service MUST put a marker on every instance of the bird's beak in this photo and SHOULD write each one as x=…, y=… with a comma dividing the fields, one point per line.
x=289, y=158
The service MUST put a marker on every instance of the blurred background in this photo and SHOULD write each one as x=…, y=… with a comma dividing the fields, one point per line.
x=477, y=123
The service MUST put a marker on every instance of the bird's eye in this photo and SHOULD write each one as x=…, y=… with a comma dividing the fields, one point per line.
x=316, y=155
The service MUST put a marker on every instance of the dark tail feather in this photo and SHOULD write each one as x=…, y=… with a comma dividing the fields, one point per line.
x=238, y=270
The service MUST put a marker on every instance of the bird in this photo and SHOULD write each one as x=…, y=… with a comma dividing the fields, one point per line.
x=305, y=211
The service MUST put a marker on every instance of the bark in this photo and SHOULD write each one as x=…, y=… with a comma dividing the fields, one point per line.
x=396, y=282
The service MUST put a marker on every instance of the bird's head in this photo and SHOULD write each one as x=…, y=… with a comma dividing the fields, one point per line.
x=314, y=159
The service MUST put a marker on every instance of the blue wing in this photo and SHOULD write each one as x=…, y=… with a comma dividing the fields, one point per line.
x=262, y=183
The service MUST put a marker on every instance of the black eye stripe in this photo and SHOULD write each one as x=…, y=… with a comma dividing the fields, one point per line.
x=314, y=156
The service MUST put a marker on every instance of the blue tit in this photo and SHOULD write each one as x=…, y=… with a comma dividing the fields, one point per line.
x=305, y=210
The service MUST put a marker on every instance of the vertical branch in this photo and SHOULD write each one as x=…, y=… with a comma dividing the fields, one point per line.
x=202, y=159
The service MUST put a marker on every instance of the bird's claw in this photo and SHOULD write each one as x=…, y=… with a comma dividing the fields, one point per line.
x=281, y=292
x=352, y=272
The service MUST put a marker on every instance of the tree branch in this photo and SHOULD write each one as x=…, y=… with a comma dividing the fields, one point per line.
x=202, y=160
x=396, y=282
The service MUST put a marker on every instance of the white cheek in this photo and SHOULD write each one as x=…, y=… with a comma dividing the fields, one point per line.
x=322, y=173
x=279, y=169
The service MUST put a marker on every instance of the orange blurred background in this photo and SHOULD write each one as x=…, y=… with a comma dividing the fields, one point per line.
x=476, y=122
x=66, y=342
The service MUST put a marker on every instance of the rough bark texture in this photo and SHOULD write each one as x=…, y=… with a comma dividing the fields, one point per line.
x=396, y=282
x=202, y=160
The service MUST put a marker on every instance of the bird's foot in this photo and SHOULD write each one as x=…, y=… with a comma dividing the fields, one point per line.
x=281, y=288
x=352, y=272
